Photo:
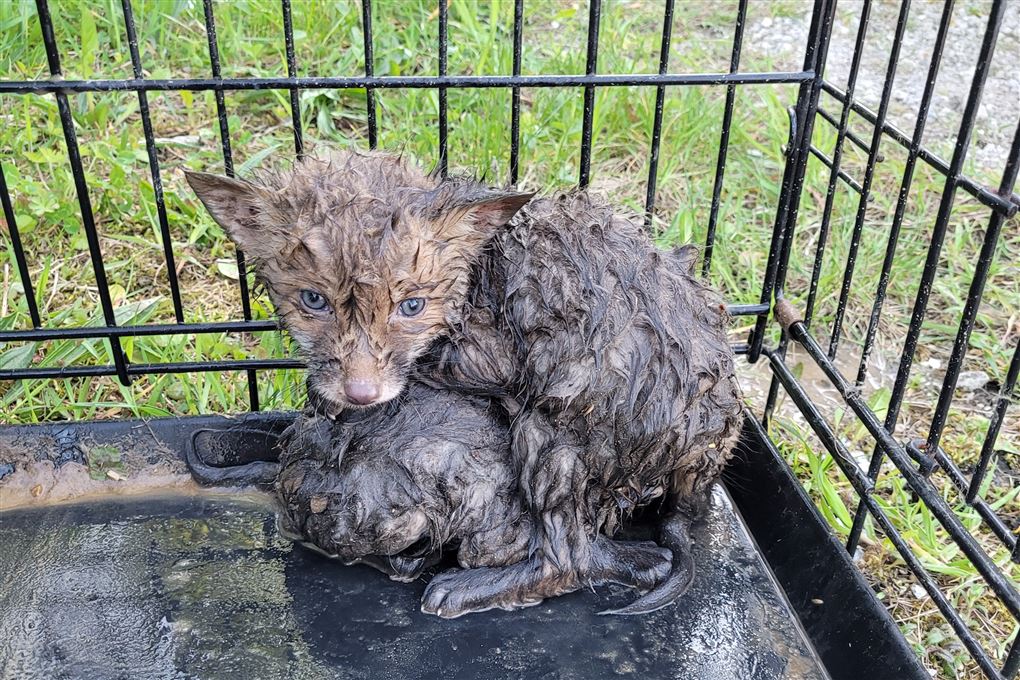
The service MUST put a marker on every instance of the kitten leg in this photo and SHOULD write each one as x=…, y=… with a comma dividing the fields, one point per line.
x=638, y=564
x=552, y=485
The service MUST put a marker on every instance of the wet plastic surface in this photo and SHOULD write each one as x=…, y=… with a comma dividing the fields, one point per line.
x=202, y=586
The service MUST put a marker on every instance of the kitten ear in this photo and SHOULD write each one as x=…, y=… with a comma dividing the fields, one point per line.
x=686, y=256
x=476, y=219
x=236, y=206
x=494, y=212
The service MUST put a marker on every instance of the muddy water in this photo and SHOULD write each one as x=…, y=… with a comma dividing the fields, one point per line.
x=203, y=586
x=755, y=378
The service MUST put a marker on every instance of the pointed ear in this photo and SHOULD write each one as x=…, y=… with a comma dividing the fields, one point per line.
x=494, y=212
x=236, y=206
x=476, y=220
x=686, y=257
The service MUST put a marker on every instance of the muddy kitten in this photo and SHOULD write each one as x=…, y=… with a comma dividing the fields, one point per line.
x=394, y=486
x=609, y=358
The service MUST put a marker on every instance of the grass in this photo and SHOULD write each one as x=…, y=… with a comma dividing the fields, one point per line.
x=172, y=43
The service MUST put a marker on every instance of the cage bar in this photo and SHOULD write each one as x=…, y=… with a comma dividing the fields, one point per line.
x=248, y=365
x=869, y=174
x=1011, y=667
x=801, y=128
x=150, y=149
x=974, y=294
x=837, y=157
x=992, y=434
x=444, y=124
x=403, y=82
x=295, y=93
x=724, y=140
x=228, y=168
x=90, y=332
x=939, y=232
x=515, y=94
x=841, y=173
x=82, y=191
x=660, y=100
x=591, y=65
x=913, y=151
x=850, y=135
x=19, y=252
x=366, y=33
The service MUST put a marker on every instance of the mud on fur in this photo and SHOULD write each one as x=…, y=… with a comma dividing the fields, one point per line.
x=607, y=356
x=395, y=486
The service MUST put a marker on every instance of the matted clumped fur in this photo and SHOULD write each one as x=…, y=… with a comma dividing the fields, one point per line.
x=608, y=356
x=401, y=481
x=392, y=486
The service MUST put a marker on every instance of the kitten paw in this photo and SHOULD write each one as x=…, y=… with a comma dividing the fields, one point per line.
x=458, y=592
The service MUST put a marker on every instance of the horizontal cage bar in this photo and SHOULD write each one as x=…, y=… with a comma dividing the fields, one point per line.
x=395, y=82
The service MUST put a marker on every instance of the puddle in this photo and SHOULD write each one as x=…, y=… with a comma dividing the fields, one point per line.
x=203, y=586
x=755, y=378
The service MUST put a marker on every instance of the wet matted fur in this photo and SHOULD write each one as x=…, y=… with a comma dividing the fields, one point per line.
x=609, y=358
x=393, y=486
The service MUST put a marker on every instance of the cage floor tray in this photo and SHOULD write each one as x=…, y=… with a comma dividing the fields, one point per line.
x=203, y=586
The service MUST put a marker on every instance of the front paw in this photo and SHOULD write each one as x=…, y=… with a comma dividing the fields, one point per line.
x=458, y=592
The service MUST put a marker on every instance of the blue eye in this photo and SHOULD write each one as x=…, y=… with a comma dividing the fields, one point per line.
x=411, y=306
x=313, y=301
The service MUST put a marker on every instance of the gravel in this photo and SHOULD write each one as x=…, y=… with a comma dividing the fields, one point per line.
x=781, y=39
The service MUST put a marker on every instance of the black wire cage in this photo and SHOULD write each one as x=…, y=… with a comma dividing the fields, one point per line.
x=774, y=504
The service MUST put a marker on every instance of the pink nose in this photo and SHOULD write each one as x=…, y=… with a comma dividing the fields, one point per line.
x=361, y=392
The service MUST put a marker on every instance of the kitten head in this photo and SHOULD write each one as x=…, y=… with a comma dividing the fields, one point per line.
x=366, y=258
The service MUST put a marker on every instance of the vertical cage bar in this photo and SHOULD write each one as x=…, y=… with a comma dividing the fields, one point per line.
x=515, y=94
x=295, y=94
x=869, y=175
x=1011, y=667
x=802, y=125
x=150, y=149
x=366, y=33
x=15, y=244
x=908, y=178
x=228, y=167
x=837, y=157
x=935, y=248
x=660, y=101
x=804, y=118
x=82, y=191
x=19, y=252
x=778, y=252
x=974, y=295
x=594, y=14
x=724, y=140
x=443, y=122
x=802, y=121
x=994, y=425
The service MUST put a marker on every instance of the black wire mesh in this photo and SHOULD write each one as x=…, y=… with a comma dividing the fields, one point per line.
x=915, y=460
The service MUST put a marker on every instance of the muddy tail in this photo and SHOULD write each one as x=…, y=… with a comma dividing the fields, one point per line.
x=675, y=534
x=257, y=473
